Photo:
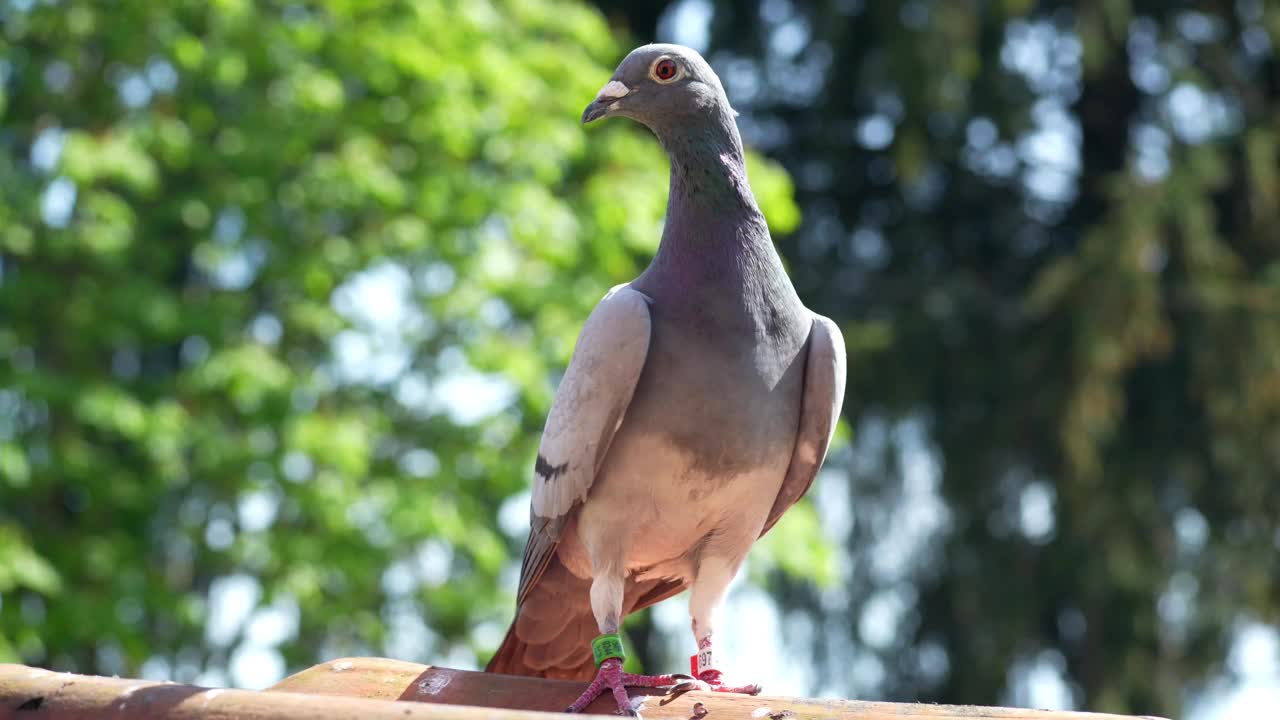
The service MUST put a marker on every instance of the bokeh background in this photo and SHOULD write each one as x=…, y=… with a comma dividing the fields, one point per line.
x=286, y=288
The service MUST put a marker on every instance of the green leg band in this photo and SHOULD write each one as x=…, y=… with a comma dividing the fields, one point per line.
x=607, y=646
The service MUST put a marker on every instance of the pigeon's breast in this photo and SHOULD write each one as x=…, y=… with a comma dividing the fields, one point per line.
x=723, y=388
x=704, y=445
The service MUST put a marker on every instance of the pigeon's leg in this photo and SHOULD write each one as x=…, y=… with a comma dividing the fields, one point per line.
x=705, y=598
x=606, y=603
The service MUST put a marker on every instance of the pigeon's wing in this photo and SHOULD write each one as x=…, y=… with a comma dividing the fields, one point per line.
x=824, y=378
x=588, y=408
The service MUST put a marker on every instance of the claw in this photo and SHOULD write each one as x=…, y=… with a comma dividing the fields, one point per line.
x=610, y=677
x=710, y=680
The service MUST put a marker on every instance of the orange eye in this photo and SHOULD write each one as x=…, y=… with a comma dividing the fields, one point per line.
x=665, y=70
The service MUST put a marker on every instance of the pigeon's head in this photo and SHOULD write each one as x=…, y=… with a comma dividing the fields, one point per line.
x=666, y=87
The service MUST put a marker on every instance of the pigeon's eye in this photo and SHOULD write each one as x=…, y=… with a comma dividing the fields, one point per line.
x=665, y=70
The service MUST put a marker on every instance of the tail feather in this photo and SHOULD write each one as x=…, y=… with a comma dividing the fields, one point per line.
x=552, y=632
x=516, y=657
x=551, y=635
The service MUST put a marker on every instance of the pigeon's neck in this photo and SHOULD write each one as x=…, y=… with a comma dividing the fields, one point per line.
x=708, y=171
x=711, y=212
x=716, y=255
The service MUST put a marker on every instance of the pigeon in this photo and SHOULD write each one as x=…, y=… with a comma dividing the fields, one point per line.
x=698, y=405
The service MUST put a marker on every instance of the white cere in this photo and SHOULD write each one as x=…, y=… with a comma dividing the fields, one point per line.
x=612, y=90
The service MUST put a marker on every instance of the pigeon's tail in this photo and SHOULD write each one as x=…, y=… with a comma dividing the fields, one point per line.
x=517, y=657
x=552, y=633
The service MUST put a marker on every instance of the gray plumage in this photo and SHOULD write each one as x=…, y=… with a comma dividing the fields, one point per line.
x=698, y=405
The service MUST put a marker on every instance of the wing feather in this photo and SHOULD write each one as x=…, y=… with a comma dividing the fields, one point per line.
x=588, y=408
x=824, y=380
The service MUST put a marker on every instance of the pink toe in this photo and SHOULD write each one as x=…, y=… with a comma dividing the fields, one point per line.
x=752, y=689
x=649, y=680
x=715, y=680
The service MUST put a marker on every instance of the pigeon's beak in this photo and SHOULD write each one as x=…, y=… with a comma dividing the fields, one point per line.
x=609, y=95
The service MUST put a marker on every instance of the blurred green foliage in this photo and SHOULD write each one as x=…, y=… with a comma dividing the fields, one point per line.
x=285, y=291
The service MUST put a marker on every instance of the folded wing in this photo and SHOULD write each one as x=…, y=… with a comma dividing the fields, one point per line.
x=824, y=379
x=589, y=406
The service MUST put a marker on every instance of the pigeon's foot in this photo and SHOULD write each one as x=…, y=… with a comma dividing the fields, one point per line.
x=611, y=676
x=712, y=680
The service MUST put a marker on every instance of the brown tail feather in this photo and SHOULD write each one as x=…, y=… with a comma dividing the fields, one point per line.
x=551, y=635
x=514, y=654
